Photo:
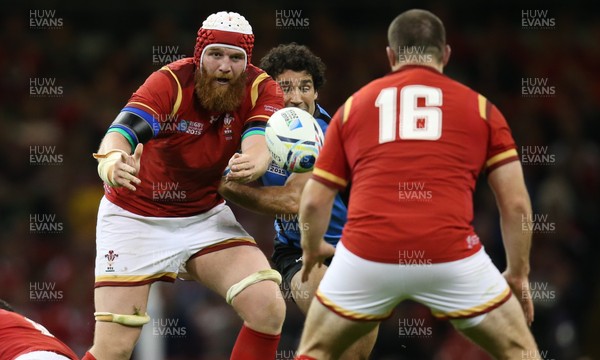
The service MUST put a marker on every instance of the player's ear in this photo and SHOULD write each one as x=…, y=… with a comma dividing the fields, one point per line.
x=446, y=58
x=316, y=95
x=391, y=55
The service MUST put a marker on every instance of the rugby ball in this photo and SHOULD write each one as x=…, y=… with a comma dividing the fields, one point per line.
x=294, y=139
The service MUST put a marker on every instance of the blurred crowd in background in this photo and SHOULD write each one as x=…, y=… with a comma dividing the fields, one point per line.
x=67, y=68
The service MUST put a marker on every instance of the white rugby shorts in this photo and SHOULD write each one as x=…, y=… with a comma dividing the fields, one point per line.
x=134, y=250
x=462, y=291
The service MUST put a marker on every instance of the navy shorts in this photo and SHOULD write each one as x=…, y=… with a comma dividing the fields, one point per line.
x=288, y=261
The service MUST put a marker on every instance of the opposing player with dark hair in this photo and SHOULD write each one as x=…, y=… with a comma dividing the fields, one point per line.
x=162, y=215
x=417, y=128
x=25, y=339
x=285, y=60
x=300, y=74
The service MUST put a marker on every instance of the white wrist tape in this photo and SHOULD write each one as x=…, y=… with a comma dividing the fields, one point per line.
x=106, y=163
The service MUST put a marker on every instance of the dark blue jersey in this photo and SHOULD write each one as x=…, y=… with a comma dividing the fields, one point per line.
x=287, y=226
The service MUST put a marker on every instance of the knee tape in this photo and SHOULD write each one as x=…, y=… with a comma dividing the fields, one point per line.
x=127, y=320
x=261, y=275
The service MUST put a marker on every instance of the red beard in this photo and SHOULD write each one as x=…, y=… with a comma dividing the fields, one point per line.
x=218, y=98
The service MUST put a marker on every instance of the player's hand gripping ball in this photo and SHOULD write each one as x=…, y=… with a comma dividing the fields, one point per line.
x=294, y=139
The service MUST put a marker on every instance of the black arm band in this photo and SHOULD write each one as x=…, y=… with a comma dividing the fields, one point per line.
x=136, y=124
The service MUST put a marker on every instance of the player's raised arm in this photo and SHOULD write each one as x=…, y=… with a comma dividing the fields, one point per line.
x=136, y=124
x=254, y=159
x=268, y=200
x=252, y=162
x=514, y=205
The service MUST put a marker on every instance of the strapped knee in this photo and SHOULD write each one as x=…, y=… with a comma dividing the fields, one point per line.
x=261, y=275
x=127, y=320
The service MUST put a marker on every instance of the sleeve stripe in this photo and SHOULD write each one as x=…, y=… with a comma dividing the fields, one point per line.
x=255, y=124
x=127, y=134
x=142, y=104
x=124, y=129
x=347, y=106
x=501, y=156
x=179, y=91
x=146, y=116
x=255, y=128
x=482, y=103
x=330, y=177
x=251, y=132
x=254, y=90
x=258, y=117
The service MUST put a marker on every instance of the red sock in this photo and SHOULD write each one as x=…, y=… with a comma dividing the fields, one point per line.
x=254, y=345
x=88, y=356
x=304, y=357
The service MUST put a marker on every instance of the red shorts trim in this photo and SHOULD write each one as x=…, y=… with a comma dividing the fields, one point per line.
x=350, y=315
x=486, y=310
x=225, y=245
x=147, y=280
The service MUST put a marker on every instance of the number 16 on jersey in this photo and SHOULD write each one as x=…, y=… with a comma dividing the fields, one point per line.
x=414, y=122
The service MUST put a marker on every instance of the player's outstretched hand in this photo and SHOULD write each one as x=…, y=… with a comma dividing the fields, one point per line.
x=126, y=168
x=310, y=258
x=520, y=287
x=241, y=168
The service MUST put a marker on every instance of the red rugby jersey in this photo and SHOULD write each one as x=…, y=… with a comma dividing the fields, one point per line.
x=182, y=165
x=19, y=335
x=413, y=143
